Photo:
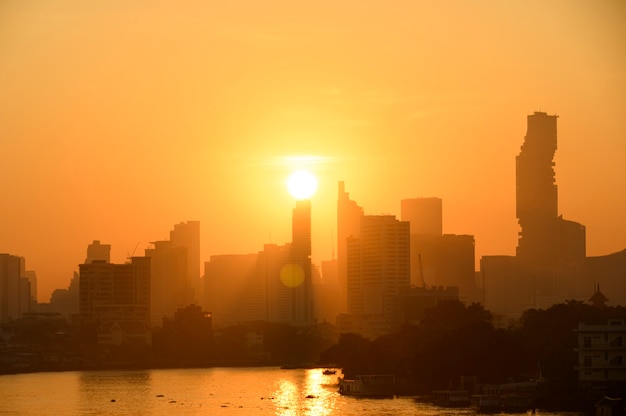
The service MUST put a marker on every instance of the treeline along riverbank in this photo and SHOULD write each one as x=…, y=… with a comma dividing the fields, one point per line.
x=453, y=340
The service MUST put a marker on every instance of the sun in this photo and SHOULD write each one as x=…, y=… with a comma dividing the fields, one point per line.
x=302, y=184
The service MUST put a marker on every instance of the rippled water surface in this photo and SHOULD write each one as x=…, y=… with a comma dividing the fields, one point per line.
x=214, y=391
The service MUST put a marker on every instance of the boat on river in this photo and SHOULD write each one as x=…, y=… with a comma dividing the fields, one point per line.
x=373, y=385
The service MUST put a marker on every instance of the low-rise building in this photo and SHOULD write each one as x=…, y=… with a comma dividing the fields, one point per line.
x=601, y=353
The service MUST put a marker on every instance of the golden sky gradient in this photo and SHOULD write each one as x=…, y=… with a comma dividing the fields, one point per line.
x=119, y=119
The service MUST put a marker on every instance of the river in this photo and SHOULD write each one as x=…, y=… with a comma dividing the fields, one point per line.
x=211, y=391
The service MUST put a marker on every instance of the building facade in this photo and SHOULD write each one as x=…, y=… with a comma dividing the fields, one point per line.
x=349, y=215
x=232, y=294
x=170, y=281
x=602, y=353
x=187, y=234
x=549, y=265
x=15, y=288
x=98, y=251
x=424, y=214
x=378, y=273
x=273, y=285
x=115, y=292
x=550, y=248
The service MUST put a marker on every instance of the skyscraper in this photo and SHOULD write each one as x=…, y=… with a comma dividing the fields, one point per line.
x=169, y=280
x=424, y=214
x=349, y=215
x=274, y=285
x=550, y=248
x=175, y=271
x=234, y=290
x=15, y=292
x=536, y=192
x=187, y=234
x=300, y=263
x=378, y=272
x=549, y=264
x=438, y=260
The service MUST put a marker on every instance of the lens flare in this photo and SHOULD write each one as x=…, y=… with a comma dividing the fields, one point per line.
x=292, y=275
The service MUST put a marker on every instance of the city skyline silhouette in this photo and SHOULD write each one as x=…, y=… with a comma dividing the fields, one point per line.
x=119, y=121
x=278, y=206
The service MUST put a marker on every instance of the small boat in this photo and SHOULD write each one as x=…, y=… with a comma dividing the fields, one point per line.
x=376, y=385
x=329, y=372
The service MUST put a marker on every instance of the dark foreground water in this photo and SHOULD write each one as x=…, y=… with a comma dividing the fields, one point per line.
x=213, y=391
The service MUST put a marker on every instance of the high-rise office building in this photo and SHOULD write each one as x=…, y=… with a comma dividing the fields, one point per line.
x=349, y=215
x=115, y=292
x=326, y=293
x=31, y=276
x=15, y=288
x=273, y=285
x=169, y=281
x=424, y=214
x=439, y=260
x=234, y=290
x=378, y=273
x=549, y=266
x=299, y=266
x=536, y=192
x=187, y=234
x=175, y=271
x=551, y=249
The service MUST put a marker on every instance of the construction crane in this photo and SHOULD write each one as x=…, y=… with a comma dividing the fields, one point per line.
x=130, y=256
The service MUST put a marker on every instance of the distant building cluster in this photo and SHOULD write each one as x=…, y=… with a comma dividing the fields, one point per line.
x=387, y=272
x=273, y=285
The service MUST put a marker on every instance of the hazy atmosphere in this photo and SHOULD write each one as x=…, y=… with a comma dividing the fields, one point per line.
x=120, y=119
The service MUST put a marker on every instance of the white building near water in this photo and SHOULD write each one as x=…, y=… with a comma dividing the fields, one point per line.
x=602, y=353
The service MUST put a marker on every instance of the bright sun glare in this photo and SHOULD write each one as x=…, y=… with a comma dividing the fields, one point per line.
x=302, y=184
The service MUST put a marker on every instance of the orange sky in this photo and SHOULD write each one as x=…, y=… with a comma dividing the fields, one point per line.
x=119, y=119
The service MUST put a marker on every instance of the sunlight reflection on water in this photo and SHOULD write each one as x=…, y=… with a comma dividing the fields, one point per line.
x=215, y=391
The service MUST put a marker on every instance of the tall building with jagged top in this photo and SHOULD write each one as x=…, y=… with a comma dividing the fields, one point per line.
x=550, y=249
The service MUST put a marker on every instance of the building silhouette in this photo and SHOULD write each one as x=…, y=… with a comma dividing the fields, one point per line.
x=232, y=293
x=378, y=274
x=115, y=292
x=551, y=249
x=65, y=301
x=424, y=214
x=326, y=293
x=169, y=280
x=349, y=215
x=187, y=234
x=174, y=270
x=437, y=259
x=98, y=251
x=15, y=288
x=273, y=285
x=610, y=272
x=298, y=270
x=550, y=265
x=602, y=355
